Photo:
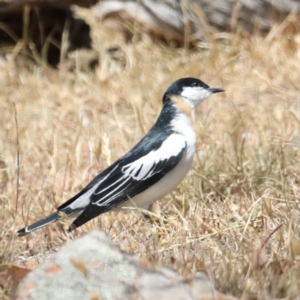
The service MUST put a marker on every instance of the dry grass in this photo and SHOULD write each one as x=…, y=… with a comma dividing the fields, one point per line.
x=245, y=177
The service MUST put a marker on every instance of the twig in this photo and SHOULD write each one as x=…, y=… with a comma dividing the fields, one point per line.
x=18, y=176
x=18, y=157
x=268, y=237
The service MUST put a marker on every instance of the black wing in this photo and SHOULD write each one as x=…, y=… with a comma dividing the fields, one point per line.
x=135, y=172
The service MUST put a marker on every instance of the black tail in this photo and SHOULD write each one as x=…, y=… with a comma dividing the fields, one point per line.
x=41, y=223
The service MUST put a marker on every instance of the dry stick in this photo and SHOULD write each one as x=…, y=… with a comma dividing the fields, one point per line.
x=64, y=42
x=269, y=236
x=18, y=178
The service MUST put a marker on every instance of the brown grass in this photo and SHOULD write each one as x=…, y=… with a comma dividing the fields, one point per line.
x=245, y=178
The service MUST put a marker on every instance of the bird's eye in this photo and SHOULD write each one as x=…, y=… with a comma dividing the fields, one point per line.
x=195, y=83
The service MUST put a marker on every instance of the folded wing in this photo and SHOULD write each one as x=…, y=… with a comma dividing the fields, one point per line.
x=138, y=170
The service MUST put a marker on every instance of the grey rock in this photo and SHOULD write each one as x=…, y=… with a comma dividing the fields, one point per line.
x=94, y=268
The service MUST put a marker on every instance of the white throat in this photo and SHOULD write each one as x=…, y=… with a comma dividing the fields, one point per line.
x=195, y=95
x=182, y=124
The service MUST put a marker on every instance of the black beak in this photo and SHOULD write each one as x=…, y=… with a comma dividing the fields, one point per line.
x=216, y=90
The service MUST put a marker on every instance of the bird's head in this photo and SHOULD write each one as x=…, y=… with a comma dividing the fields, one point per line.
x=189, y=92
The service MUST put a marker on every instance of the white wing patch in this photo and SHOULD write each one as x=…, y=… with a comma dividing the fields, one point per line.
x=141, y=168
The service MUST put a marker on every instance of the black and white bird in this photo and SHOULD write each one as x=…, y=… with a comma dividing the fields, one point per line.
x=150, y=170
